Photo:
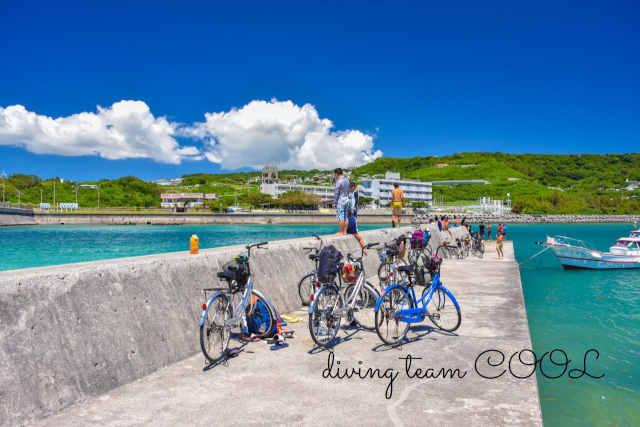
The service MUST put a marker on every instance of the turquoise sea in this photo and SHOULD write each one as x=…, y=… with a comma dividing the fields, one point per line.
x=25, y=247
x=578, y=310
x=571, y=310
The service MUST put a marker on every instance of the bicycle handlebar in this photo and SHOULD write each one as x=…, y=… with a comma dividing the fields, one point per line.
x=248, y=247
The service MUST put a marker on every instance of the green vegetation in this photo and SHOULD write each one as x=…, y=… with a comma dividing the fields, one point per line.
x=583, y=179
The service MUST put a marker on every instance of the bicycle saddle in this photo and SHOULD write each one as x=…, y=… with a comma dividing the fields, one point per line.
x=314, y=256
x=407, y=268
x=227, y=275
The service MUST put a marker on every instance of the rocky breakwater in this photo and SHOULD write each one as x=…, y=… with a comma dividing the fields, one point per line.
x=531, y=219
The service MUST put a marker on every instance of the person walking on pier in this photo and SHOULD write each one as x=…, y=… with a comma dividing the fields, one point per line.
x=489, y=231
x=341, y=201
x=397, y=197
x=481, y=230
x=504, y=231
x=499, y=242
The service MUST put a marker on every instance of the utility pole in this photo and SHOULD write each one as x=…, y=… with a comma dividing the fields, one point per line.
x=4, y=175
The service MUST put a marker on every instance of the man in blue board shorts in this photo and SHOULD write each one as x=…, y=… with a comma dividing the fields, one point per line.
x=352, y=229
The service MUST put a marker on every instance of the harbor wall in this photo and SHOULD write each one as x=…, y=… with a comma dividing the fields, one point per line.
x=11, y=216
x=75, y=331
x=180, y=218
x=530, y=219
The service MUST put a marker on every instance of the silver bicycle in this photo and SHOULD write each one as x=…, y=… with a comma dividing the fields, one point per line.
x=354, y=302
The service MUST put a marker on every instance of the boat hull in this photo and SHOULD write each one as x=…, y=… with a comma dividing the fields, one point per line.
x=572, y=257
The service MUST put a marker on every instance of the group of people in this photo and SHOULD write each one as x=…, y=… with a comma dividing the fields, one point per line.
x=444, y=225
x=345, y=201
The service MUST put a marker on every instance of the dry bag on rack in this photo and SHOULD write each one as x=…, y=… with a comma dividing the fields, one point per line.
x=328, y=263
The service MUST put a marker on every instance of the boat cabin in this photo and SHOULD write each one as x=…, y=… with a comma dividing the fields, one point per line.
x=627, y=246
x=635, y=234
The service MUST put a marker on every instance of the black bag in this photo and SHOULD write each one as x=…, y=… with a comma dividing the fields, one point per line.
x=328, y=263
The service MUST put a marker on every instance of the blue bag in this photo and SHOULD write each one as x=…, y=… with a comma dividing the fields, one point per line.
x=260, y=318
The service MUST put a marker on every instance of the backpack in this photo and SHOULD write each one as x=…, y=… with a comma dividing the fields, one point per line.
x=417, y=239
x=329, y=257
x=259, y=319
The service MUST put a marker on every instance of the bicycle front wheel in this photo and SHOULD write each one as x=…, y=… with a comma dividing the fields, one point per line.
x=364, y=309
x=323, y=322
x=443, y=310
x=306, y=288
x=384, y=273
x=214, y=337
x=389, y=328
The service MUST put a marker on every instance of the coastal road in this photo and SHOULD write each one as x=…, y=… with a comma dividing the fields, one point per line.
x=287, y=386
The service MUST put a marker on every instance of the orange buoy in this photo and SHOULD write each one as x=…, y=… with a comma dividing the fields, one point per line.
x=194, y=244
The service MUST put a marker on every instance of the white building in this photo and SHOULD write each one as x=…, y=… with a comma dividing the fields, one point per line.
x=170, y=200
x=276, y=189
x=380, y=189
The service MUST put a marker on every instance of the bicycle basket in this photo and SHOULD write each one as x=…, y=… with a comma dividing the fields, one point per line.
x=239, y=266
x=382, y=254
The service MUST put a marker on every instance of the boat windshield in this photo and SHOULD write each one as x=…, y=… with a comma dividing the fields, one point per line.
x=634, y=234
x=625, y=244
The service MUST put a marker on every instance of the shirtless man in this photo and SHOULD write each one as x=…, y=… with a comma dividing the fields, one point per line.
x=397, y=197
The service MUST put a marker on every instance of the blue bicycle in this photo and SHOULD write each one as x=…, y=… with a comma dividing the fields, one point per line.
x=398, y=306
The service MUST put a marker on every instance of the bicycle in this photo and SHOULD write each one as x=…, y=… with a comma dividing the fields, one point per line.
x=391, y=256
x=398, y=303
x=227, y=309
x=477, y=246
x=308, y=285
x=331, y=303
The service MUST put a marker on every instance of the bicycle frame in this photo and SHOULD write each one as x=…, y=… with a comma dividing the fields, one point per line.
x=418, y=314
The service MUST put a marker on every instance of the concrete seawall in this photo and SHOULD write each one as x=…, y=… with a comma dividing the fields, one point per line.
x=11, y=216
x=235, y=218
x=71, y=332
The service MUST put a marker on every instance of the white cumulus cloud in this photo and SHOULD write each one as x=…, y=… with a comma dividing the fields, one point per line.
x=280, y=132
x=127, y=129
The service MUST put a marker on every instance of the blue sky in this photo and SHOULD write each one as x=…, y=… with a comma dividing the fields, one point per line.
x=423, y=78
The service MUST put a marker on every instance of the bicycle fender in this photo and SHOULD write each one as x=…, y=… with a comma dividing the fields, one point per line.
x=312, y=306
x=204, y=312
x=388, y=289
x=455, y=302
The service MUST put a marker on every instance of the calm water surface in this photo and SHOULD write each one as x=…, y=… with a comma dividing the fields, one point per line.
x=577, y=310
x=25, y=247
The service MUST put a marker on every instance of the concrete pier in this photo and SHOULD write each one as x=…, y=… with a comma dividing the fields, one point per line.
x=120, y=348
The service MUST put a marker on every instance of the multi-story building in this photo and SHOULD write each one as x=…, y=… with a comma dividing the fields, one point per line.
x=190, y=200
x=380, y=189
x=276, y=189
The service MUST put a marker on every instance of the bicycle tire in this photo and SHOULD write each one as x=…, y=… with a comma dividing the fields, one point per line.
x=482, y=251
x=446, y=307
x=364, y=314
x=251, y=305
x=323, y=325
x=218, y=312
x=383, y=272
x=306, y=288
x=394, y=299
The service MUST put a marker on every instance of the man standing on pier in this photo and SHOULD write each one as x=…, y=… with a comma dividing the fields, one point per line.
x=397, y=197
x=341, y=201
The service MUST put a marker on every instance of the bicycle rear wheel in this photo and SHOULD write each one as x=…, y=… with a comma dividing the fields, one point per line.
x=323, y=323
x=443, y=310
x=364, y=310
x=214, y=338
x=306, y=288
x=263, y=315
x=383, y=272
x=389, y=329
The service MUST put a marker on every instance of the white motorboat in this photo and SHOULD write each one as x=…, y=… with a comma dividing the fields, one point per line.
x=574, y=253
